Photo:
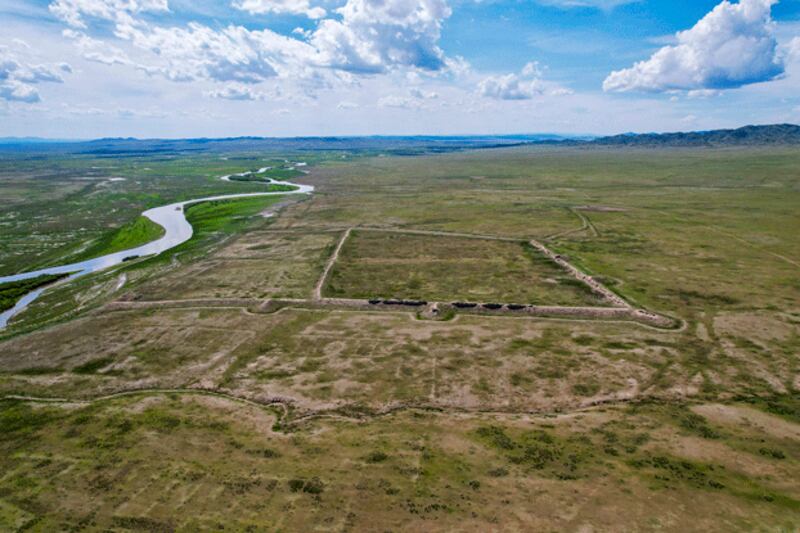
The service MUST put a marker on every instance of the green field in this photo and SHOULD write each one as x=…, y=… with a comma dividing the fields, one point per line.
x=12, y=291
x=56, y=207
x=299, y=414
x=447, y=268
x=129, y=463
x=141, y=231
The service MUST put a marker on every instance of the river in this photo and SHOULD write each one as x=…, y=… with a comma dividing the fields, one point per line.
x=177, y=230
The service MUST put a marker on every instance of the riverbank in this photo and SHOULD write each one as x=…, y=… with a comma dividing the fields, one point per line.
x=177, y=230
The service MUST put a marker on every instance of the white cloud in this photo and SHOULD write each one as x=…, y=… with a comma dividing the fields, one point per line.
x=524, y=86
x=532, y=70
x=731, y=46
x=236, y=91
x=561, y=91
x=793, y=53
x=96, y=50
x=347, y=105
x=199, y=52
x=17, y=78
x=423, y=95
x=15, y=91
x=296, y=7
x=703, y=93
x=510, y=87
x=376, y=35
x=401, y=102
x=124, y=112
x=372, y=36
x=75, y=12
x=139, y=113
x=457, y=66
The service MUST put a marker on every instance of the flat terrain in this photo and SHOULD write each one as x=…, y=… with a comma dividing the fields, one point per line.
x=254, y=404
x=442, y=267
x=166, y=462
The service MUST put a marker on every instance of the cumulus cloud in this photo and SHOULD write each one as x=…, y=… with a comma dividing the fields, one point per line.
x=509, y=87
x=15, y=91
x=295, y=7
x=17, y=78
x=731, y=46
x=523, y=86
x=97, y=50
x=231, y=54
x=375, y=35
x=372, y=36
x=75, y=12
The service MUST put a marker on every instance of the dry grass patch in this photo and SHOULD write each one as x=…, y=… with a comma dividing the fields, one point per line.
x=131, y=463
x=257, y=265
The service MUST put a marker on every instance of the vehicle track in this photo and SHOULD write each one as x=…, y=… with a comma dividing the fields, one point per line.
x=329, y=265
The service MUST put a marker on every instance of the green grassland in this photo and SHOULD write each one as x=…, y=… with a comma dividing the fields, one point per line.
x=391, y=265
x=55, y=207
x=141, y=231
x=258, y=264
x=280, y=174
x=213, y=223
x=149, y=462
x=12, y=291
x=301, y=417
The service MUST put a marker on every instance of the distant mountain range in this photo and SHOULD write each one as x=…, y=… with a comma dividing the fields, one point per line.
x=776, y=134
x=770, y=135
x=395, y=145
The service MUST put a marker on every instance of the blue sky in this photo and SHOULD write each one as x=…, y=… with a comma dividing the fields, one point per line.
x=181, y=68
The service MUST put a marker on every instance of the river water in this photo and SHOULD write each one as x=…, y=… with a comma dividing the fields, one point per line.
x=177, y=231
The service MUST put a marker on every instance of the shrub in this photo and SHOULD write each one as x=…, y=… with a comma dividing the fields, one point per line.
x=498, y=472
x=772, y=453
x=90, y=367
x=311, y=486
x=497, y=437
x=697, y=424
x=269, y=453
x=376, y=457
x=586, y=389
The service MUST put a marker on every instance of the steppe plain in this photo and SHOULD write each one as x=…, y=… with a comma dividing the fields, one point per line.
x=240, y=380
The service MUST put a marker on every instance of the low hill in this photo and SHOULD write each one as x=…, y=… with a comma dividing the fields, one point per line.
x=769, y=135
x=777, y=134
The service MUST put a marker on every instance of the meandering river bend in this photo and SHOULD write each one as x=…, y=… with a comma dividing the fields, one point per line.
x=177, y=231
